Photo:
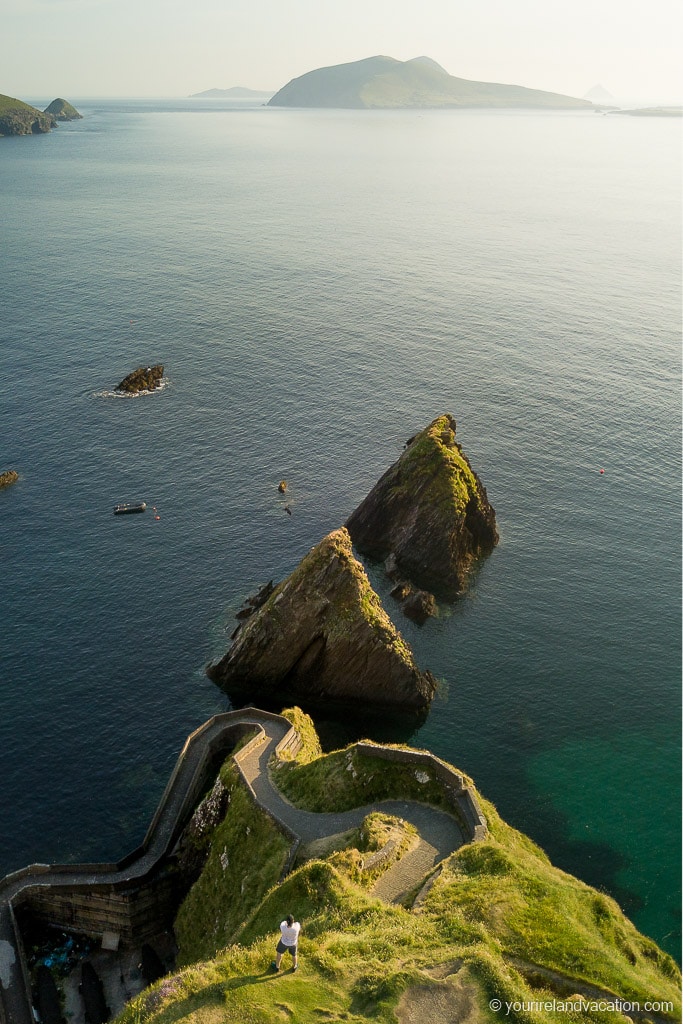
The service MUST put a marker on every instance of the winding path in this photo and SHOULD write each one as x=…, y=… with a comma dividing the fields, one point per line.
x=439, y=833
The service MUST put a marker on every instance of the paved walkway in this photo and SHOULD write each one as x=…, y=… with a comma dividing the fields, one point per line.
x=439, y=836
x=439, y=832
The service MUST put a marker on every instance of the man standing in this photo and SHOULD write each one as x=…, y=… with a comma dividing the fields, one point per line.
x=289, y=937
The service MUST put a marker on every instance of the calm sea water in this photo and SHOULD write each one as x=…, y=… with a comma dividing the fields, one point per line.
x=319, y=286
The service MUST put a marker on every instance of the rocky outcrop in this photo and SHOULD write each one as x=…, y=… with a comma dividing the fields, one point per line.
x=10, y=476
x=19, y=118
x=62, y=110
x=145, y=378
x=323, y=634
x=428, y=515
x=419, y=606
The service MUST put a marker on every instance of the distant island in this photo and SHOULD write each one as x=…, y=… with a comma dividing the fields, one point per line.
x=651, y=112
x=236, y=92
x=62, y=110
x=19, y=118
x=386, y=83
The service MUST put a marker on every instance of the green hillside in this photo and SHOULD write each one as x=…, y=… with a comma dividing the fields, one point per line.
x=62, y=110
x=19, y=118
x=384, y=83
x=499, y=922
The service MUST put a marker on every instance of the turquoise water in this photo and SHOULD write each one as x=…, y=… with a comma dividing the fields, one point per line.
x=319, y=286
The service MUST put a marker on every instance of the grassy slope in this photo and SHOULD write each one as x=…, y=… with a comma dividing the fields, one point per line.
x=493, y=902
x=8, y=103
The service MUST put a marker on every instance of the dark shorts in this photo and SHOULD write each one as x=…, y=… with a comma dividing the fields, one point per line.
x=283, y=948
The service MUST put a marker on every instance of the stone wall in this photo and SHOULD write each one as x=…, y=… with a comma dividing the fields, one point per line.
x=459, y=793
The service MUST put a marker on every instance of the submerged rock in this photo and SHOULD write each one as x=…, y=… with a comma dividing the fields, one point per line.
x=429, y=514
x=323, y=634
x=145, y=378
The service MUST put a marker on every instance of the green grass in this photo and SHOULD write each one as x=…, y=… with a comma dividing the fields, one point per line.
x=247, y=856
x=346, y=779
x=495, y=903
x=10, y=103
x=434, y=464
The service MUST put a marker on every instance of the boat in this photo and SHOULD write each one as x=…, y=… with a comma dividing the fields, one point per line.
x=126, y=509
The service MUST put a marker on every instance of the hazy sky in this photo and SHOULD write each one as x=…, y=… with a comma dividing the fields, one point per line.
x=77, y=48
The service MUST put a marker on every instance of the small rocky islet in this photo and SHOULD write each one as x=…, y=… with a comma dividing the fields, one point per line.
x=323, y=634
x=9, y=477
x=145, y=378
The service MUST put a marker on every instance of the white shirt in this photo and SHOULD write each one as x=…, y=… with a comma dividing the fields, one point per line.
x=290, y=934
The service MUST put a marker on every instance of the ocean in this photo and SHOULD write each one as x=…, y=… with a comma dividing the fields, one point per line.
x=319, y=285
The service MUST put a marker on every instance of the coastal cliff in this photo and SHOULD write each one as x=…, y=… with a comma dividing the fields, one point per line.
x=19, y=118
x=323, y=634
x=494, y=930
x=429, y=513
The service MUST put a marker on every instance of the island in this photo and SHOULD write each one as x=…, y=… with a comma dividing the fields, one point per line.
x=145, y=378
x=323, y=636
x=385, y=83
x=428, y=516
x=62, y=110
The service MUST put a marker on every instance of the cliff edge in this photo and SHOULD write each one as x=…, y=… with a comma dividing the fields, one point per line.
x=323, y=634
x=430, y=511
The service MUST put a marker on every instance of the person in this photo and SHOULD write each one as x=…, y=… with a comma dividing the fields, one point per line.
x=289, y=938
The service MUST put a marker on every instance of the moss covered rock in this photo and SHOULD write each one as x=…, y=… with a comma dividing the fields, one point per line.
x=323, y=634
x=429, y=513
x=10, y=476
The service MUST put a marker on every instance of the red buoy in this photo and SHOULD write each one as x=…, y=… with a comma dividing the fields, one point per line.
x=602, y=471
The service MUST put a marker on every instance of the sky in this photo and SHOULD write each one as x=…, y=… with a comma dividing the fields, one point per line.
x=91, y=48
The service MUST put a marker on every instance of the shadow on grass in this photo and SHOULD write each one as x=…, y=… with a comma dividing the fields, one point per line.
x=214, y=995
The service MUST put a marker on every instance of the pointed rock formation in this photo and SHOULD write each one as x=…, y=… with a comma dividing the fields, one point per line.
x=323, y=634
x=62, y=110
x=429, y=514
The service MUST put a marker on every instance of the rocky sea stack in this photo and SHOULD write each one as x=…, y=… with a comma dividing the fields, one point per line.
x=323, y=634
x=62, y=110
x=145, y=378
x=429, y=514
